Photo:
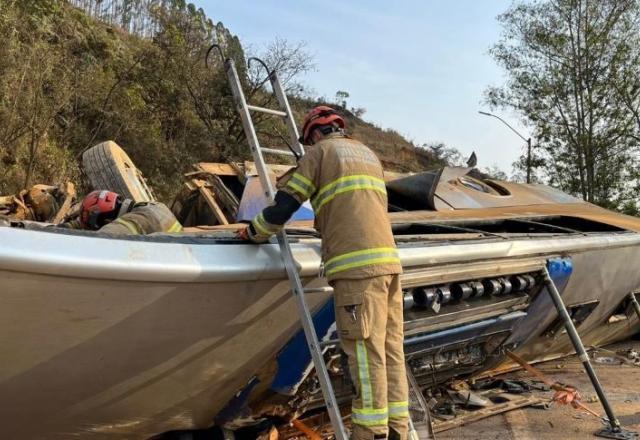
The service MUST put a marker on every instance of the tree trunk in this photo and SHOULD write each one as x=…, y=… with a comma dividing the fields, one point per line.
x=33, y=149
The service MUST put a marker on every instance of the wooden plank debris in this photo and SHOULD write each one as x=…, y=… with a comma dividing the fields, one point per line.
x=514, y=402
x=211, y=202
x=220, y=169
x=226, y=197
x=69, y=198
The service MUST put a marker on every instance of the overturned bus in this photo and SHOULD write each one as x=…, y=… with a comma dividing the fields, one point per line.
x=134, y=336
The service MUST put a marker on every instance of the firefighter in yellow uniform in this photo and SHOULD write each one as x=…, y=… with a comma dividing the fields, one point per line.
x=344, y=180
x=108, y=212
x=144, y=218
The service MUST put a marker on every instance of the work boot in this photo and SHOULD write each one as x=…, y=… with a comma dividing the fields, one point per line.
x=395, y=435
x=375, y=437
x=362, y=433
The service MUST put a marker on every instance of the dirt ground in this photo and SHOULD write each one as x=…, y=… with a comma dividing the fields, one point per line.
x=621, y=384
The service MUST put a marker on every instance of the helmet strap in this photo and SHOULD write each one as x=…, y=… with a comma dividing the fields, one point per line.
x=126, y=206
x=92, y=221
x=327, y=129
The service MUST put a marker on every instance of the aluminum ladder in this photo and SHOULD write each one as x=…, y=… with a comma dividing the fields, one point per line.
x=299, y=292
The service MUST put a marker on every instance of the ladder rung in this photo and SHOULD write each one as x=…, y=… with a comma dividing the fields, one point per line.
x=267, y=111
x=326, y=289
x=278, y=152
x=329, y=343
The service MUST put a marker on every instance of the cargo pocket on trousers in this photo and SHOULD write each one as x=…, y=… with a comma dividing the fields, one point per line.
x=350, y=316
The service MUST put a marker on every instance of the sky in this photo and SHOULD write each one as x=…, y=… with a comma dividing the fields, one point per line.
x=419, y=67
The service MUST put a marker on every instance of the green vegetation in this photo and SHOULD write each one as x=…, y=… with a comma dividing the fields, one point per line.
x=74, y=73
x=69, y=81
x=573, y=73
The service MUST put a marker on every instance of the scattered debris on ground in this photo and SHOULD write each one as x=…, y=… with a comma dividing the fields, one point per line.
x=525, y=406
x=549, y=419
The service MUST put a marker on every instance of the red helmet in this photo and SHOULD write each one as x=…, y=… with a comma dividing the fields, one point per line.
x=321, y=115
x=98, y=207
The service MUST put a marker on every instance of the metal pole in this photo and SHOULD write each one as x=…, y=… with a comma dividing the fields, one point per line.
x=413, y=384
x=528, y=141
x=615, y=427
x=529, y=160
x=505, y=123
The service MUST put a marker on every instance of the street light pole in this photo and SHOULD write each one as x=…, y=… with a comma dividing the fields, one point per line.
x=527, y=140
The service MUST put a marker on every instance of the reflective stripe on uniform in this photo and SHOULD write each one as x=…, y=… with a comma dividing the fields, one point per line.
x=346, y=184
x=263, y=227
x=363, y=375
x=367, y=415
x=175, y=227
x=301, y=184
x=398, y=410
x=370, y=417
x=361, y=258
x=132, y=227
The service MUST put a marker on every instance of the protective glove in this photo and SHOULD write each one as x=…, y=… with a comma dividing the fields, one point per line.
x=249, y=234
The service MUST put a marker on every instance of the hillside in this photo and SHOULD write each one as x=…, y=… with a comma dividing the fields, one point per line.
x=69, y=81
x=395, y=152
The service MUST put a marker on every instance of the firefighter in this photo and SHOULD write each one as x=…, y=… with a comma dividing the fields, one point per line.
x=109, y=212
x=344, y=180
